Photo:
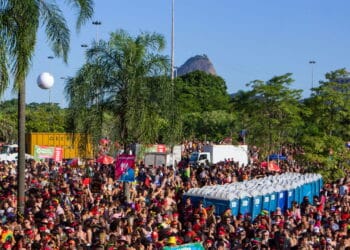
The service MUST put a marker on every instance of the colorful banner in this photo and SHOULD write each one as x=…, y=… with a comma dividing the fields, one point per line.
x=128, y=176
x=124, y=168
x=44, y=152
x=190, y=246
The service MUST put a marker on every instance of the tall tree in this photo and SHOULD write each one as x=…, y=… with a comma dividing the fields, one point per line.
x=203, y=104
x=327, y=126
x=274, y=111
x=19, y=24
x=125, y=77
x=330, y=104
x=199, y=91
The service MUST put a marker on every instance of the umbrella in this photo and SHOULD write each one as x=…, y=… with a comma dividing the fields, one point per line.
x=271, y=166
x=105, y=159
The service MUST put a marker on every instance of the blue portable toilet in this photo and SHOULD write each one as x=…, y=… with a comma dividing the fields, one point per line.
x=313, y=184
x=290, y=195
x=298, y=193
x=256, y=204
x=321, y=182
x=306, y=191
x=220, y=205
x=234, y=204
x=245, y=203
x=194, y=194
x=195, y=199
x=281, y=199
x=273, y=200
x=318, y=186
x=265, y=200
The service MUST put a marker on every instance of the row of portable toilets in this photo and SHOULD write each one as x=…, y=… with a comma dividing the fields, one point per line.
x=251, y=197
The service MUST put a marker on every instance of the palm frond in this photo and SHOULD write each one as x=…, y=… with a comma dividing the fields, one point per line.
x=86, y=10
x=56, y=28
x=4, y=74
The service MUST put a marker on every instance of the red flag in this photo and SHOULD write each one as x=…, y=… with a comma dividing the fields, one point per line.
x=86, y=181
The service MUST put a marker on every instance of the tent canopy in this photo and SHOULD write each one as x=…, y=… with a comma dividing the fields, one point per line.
x=277, y=157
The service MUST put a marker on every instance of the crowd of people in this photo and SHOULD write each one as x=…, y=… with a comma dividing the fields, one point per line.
x=85, y=208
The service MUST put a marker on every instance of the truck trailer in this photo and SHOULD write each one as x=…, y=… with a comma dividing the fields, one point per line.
x=213, y=154
x=71, y=144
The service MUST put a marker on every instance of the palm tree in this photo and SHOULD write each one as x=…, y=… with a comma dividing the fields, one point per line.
x=126, y=78
x=19, y=24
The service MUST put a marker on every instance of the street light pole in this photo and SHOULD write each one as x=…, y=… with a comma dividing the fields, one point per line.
x=96, y=23
x=172, y=41
x=312, y=73
x=50, y=58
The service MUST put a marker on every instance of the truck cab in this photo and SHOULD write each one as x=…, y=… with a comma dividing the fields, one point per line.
x=198, y=158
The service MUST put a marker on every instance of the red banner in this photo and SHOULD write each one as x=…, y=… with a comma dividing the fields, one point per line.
x=161, y=148
x=58, y=154
x=124, y=162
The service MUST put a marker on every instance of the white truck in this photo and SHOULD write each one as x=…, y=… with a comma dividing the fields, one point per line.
x=163, y=158
x=10, y=153
x=214, y=154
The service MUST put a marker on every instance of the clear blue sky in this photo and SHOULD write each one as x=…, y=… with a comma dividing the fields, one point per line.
x=245, y=39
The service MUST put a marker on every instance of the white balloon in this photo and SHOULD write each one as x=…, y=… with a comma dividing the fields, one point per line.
x=45, y=80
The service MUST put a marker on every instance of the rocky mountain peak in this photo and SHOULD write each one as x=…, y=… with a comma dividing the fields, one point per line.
x=198, y=62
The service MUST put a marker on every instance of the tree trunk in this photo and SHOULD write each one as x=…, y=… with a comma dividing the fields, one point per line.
x=21, y=149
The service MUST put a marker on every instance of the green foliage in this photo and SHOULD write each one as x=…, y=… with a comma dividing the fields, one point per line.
x=203, y=104
x=330, y=104
x=45, y=117
x=199, y=91
x=209, y=125
x=326, y=155
x=327, y=126
x=270, y=112
x=8, y=121
x=125, y=80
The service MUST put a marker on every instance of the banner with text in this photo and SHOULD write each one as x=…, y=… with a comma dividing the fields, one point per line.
x=44, y=152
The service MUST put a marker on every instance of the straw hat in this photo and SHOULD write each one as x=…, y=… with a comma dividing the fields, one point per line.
x=171, y=240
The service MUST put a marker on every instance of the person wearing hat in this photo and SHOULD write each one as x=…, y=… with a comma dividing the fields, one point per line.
x=222, y=236
x=175, y=217
x=208, y=244
x=171, y=241
x=174, y=227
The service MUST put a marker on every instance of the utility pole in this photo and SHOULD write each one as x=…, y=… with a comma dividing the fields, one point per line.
x=312, y=73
